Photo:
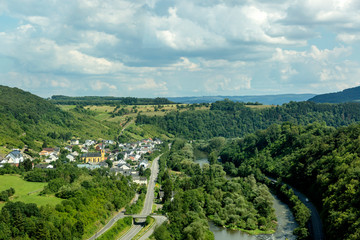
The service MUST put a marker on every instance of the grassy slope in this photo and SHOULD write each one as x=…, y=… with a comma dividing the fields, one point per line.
x=23, y=188
x=27, y=119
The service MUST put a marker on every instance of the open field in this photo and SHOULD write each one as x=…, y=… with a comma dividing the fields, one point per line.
x=104, y=112
x=27, y=192
x=259, y=106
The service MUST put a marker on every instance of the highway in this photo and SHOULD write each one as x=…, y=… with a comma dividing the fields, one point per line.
x=112, y=221
x=149, y=199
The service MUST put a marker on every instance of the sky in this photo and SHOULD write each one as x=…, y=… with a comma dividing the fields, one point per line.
x=174, y=48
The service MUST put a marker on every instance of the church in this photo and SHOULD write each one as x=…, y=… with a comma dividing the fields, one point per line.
x=94, y=157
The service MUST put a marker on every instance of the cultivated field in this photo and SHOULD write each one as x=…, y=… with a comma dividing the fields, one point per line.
x=27, y=192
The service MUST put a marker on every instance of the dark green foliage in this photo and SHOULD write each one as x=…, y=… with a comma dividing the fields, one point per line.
x=4, y=195
x=322, y=162
x=229, y=119
x=91, y=196
x=202, y=193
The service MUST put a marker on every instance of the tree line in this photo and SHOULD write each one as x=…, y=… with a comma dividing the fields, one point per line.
x=233, y=119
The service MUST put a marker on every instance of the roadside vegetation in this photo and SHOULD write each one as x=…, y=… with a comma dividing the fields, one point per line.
x=118, y=229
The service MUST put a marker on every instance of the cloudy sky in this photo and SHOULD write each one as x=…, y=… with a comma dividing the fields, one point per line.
x=149, y=48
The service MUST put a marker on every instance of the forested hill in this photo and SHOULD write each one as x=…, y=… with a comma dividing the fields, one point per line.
x=112, y=101
x=319, y=160
x=347, y=95
x=230, y=119
x=27, y=119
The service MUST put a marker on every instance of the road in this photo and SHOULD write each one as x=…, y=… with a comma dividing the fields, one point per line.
x=159, y=221
x=316, y=224
x=149, y=199
x=112, y=221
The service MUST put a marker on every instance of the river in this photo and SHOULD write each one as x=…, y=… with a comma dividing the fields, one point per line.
x=286, y=223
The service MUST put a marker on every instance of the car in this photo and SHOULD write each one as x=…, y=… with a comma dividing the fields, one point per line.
x=306, y=199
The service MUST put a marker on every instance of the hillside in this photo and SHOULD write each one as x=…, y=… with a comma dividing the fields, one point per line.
x=264, y=99
x=347, y=95
x=229, y=119
x=321, y=161
x=27, y=119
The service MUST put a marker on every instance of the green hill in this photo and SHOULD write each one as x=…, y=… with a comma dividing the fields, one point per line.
x=27, y=119
x=347, y=95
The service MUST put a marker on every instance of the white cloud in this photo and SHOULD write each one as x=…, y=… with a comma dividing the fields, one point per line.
x=148, y=84
x=220, y=84
x=181, y=46
x=101, y=85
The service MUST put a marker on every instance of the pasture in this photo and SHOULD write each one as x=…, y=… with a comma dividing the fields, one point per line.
x=27, y=192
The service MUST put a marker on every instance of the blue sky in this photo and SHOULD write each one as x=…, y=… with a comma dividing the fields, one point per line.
x=175, y=48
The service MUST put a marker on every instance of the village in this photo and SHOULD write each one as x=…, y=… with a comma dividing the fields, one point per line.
x=128, y=159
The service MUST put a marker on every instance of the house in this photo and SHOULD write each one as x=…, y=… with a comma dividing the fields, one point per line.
x=89, y=143
x=74, y=141
x=143, y=164
x=99, y=147
x=109, y=142
x=68, y=148
x=120, y=163
x=51, y=158
x=84, y=150
x=103, y=164
x=94, y=157
x=70, y=157
x=139, y=180
x=44, y=166
x=15, y=157
x=75, y=154
x=49, y=151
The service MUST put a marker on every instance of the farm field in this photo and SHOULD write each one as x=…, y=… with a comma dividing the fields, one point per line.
x=27, y=192
x=104, y=112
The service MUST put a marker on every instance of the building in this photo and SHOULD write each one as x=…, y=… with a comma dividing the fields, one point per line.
x=94, y=157
x=143, y=164
x=49, y=151
x=15, y=157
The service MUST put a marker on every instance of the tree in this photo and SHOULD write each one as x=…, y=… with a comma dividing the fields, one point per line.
x=109, y=162
x=27, y=165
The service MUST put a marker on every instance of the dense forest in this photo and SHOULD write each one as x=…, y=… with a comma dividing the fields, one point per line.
x=112, y=101
x=29, y=120
x=347, y=95
x=194, y=194
x=233, y=119
x=319, y=160
x=90, y=197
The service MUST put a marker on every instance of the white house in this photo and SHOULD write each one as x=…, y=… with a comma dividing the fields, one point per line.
x=70, y=157
x=51, y=158
x=143, y=163
x=74, y=142
x=15, y=157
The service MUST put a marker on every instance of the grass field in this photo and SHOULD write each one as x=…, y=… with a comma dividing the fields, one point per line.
x=27, y=192
x=103, y=112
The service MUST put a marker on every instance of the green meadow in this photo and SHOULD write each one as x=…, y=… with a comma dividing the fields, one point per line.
x=27, y=192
